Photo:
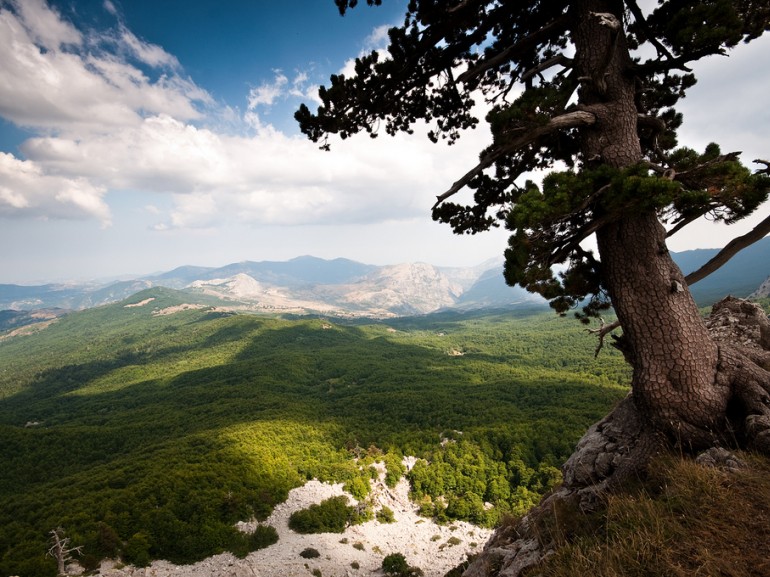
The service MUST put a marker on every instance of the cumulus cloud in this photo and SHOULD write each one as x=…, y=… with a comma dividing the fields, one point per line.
x=55, y=81
x=104, y=125
x=26, y=190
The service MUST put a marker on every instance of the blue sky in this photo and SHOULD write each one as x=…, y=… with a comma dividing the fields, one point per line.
x=141, y=135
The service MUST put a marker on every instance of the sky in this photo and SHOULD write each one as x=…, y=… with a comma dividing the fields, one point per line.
x=137, y=136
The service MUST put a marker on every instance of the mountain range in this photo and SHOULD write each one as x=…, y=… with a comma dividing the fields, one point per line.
x=344, y=287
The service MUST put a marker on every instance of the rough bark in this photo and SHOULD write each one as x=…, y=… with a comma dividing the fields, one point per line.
x=675, y=386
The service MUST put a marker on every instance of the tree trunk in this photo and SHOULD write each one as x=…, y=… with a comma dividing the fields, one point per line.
x=673, y=358
x=686, y=389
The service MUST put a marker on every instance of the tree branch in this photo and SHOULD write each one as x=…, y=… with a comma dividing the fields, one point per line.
x=602, y=332
x=734, y=246
x=545, y=65
x=508, y=53
x=569, y=120
x=642, y=21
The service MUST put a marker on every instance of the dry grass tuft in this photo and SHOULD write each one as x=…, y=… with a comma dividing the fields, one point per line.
x=683, y=520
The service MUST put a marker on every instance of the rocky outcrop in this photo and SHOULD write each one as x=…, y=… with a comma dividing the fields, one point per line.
x=609, y=446
x=740, y=323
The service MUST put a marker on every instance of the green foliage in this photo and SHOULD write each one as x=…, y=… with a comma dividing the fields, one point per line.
x=244, y=543
x=158, y=432
x=394, y=468
x=549, y=222
x=329, y=516
x=309, y=553
x=395, y=565
x=385, y=515
x=137, y=550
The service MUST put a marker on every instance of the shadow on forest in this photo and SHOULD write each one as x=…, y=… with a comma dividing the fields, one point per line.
x=267, y=404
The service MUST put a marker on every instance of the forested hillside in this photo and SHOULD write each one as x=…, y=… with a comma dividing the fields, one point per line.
x=147, y=428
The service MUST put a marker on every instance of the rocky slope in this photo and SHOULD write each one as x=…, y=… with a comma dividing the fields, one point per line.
x=358, y=552
x=762, y=291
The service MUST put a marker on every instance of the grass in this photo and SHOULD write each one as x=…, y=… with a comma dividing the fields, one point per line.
x=683, y=520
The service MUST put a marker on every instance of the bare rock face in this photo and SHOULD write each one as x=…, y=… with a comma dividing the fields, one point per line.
x=741, y=323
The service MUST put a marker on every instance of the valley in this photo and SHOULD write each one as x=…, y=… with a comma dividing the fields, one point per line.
x=149, y=436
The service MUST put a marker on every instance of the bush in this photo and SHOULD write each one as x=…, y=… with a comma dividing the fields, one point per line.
x=244, y=543
x=137, y=550
x=385, y=515
x=395, y=565
x=329, y=516
x=310, y=553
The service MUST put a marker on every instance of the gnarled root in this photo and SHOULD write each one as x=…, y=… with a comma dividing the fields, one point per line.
x=750, y=407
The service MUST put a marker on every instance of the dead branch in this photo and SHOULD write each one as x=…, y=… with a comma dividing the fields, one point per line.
x=601, y=332
x=61, y=551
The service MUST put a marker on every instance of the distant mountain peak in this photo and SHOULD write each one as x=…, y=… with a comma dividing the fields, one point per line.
x=342, y=286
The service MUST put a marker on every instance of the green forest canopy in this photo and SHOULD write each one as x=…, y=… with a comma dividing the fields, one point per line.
x=155, y=434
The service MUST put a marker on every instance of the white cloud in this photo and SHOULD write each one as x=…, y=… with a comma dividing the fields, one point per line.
x=280, y=88
x=150, y=54
x=378, y=39
x=104, y=125
x=61, y=89
x=25, y=190
x=268, y=92
x=46, y=27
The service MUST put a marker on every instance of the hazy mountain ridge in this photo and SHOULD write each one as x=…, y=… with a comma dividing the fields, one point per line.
x=344, y=287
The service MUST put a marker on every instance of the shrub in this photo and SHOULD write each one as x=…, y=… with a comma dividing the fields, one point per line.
x=244, y=543
x=137, y=550
x=385, y=515
x=358, y=545
x=395, y=564
x=309, y=553
x=329, y=516
x=358, y=487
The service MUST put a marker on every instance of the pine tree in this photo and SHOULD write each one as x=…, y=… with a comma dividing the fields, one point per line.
x=591, y=85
